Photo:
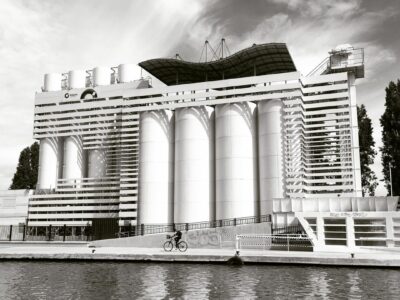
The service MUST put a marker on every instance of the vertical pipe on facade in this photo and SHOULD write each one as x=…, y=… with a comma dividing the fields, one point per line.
x=355, y=147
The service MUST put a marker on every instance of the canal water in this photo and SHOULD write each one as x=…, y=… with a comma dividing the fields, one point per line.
x=105, y=280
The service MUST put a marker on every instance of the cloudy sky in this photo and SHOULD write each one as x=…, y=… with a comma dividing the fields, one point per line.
x=38, y=37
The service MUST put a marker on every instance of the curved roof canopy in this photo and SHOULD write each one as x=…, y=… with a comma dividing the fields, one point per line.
x=261, y=59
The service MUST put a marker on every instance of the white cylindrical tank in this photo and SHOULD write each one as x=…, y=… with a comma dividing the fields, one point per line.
x=50, y=162
x=101, y=76
x=126, y=73
x=271, y=156
x=74, y=158
x=97, y=163
x=52, y=82
x=76, y=79
x=156, y=167
x=236, y=161
x=194, y=199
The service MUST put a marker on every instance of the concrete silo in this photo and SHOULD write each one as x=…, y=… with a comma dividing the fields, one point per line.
x=74, y=158
x=50, y=166
x=271, y=156
x=236, y=161
x=126, y=73
x=76, y=79
x=52, y=82
x=101, y=76
x=194, y=198
x=156, y=169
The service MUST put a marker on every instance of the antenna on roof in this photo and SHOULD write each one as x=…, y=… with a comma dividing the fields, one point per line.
x=207, y=47
x=222, y=47
x=221, y=51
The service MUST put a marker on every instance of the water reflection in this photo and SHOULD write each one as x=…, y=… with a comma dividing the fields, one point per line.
x=154, y=282
x=353, y=281
x=239, y=286
x=59, y=280
x=197, y=284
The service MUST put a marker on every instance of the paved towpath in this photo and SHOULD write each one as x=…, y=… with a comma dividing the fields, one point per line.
x=49, y=251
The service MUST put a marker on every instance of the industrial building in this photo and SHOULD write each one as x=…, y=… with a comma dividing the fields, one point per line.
x=222, y=139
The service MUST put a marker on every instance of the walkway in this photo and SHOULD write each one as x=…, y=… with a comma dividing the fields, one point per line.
x=368, y=257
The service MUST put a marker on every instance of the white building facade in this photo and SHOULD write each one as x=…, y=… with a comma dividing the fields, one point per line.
x=14, y=207
x=200, y=148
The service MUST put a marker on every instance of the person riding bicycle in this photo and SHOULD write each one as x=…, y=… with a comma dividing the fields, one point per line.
x=177, y=236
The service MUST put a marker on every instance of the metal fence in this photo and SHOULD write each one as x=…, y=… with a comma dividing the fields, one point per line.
x=162, y=228
x=293, y=229
x=45, y=233
x=88, y=233
x=288, y=242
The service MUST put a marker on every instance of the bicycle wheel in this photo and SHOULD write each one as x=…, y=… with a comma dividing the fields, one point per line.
x=182, y=246
x=168, y=246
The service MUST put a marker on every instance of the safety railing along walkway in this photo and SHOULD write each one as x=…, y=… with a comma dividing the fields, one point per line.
x=288, y=242
x=22, y=233
x=144, y=229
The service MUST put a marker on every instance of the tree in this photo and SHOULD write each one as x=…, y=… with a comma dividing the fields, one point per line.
x=390, y=122
x=367, y=152
x=26, y=174
x=34, y=155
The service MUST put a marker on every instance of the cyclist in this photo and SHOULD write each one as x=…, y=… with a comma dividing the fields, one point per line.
x=177, y=236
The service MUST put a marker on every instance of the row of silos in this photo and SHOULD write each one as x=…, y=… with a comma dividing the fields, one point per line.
x=204, y=163
x=65, y=158
x=76, y=79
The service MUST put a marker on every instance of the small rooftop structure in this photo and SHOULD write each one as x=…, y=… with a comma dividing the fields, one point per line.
x=344, y=58
x=271, y=58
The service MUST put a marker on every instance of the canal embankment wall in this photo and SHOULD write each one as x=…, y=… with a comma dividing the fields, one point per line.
x=208, y=238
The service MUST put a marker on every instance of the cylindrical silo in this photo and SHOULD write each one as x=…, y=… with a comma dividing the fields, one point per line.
x=76, y=79
x=126, y=73
x=271, y=157
x=101, y=76
x=74, y=158
x=236, y=161
x=97, y=163
x=52, y=82
x=156, y=167
x=194, y=199
x=50, y=162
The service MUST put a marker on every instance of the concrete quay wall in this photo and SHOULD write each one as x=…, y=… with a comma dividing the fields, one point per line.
x=209, y=238
x=373, y=259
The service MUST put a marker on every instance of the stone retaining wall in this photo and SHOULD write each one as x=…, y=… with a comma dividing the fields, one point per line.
x=210, y=238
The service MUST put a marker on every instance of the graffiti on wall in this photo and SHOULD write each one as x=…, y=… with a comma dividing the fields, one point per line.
x=202, y=238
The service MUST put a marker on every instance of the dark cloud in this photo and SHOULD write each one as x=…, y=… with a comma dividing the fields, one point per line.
x=236, y=17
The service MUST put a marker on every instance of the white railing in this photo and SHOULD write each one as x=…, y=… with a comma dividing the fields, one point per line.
x=271, y=241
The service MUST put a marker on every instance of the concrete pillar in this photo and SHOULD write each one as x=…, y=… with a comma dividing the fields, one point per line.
x=355, y=147
x=350, y=236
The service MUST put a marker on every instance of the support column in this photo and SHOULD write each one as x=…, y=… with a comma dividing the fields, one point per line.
x=350, y=236
x=355, y=147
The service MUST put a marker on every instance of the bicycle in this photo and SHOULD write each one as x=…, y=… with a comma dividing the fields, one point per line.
x=170, y=244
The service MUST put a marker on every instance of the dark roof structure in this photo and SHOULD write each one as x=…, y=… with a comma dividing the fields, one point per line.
x=256, y=60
